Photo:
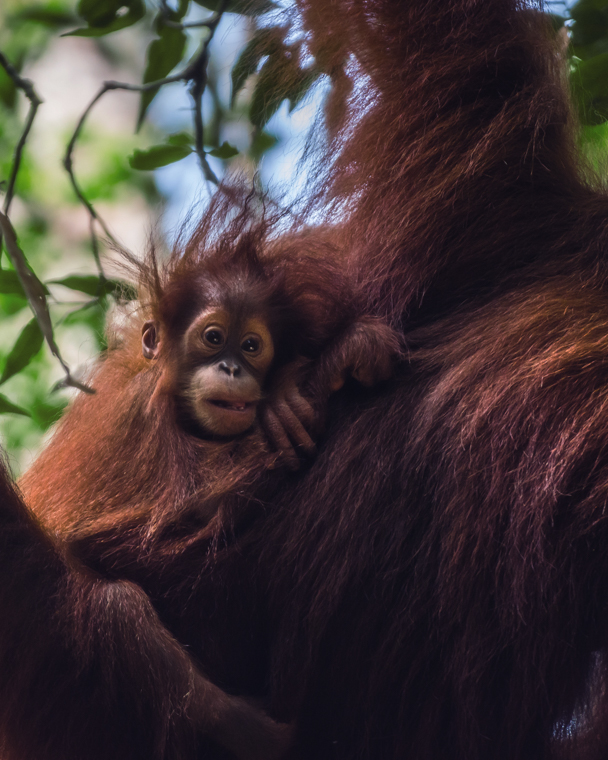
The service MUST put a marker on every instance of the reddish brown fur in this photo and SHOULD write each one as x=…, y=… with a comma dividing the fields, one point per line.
x=143, y=466
x=453, y=557
x=143, y=478
x=435, y=585
x=89, y=671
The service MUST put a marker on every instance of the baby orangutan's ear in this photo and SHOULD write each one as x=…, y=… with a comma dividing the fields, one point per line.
x=150, y=342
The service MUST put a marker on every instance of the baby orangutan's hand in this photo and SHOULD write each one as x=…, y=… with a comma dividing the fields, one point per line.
x=366, y=351
x=288, y=419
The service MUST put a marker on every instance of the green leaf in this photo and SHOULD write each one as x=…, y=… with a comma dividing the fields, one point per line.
x=157, y=155
x=11, y=304
x=244, y=7
x=271, y=89
x=121, y=290
x=590, y=25
x=7, y=407
x=46, y=414
x=262, y=142
x=181, y=138
x=182, y=8
x=224, y=151
x=8, y=91
x=27, y=345
x=590, y=85
x=11, y=285
x=51, y=15
x=264, y=42
x=136, y=11
x=163, y=55
x=99, y=12
x=94, y=286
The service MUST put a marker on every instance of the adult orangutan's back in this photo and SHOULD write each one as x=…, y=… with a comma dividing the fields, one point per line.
x=449, y=545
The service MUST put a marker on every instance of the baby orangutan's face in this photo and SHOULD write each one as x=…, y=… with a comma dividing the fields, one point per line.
x=225, y=361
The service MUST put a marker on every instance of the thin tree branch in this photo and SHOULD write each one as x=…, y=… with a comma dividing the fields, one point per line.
x=186, y=25
x=194, y=73
x=35, y=101
x=197, y=90
x=95, y=249
x=33, y=288
x=69, y=167
x=68, y=161
x=218, y=110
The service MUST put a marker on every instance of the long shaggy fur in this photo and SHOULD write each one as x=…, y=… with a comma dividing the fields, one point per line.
x=435, y=584
x=450, y=582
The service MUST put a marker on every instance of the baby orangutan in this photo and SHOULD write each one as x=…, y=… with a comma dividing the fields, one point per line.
x=253, y=332
x=143, y=479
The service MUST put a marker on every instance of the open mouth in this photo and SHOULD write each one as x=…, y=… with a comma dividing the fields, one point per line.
x=232, y=406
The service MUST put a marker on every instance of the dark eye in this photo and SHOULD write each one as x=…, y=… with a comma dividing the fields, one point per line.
x=213, y=337
x=250, y=345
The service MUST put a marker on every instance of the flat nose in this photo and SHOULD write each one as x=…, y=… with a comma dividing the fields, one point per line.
x=230, y=368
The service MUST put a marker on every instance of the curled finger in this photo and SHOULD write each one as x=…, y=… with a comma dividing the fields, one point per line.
x=279, y=438
x=303, y=409
x=295, y=429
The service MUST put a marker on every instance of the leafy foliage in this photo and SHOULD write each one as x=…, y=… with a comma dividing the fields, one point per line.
x=10, y=284
x=27, y=346
x=107, y=16
x=280, y=74
x=7, y=407
x=225, y=151
x=589, y=52
x=97, y=287
x=162, y=56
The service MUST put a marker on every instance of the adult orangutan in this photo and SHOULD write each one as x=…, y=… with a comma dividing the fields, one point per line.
x=434, y=585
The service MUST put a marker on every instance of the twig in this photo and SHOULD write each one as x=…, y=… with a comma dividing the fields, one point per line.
x=197, y=89
x=35, y=101
x=68, y=161
x=69, y=167
x=195, y=73
x=34, y=290
x=218, y=110
x=95, y=249
x=186, y=25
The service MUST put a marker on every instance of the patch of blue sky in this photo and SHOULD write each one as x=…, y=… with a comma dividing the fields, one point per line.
x=281, y=168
